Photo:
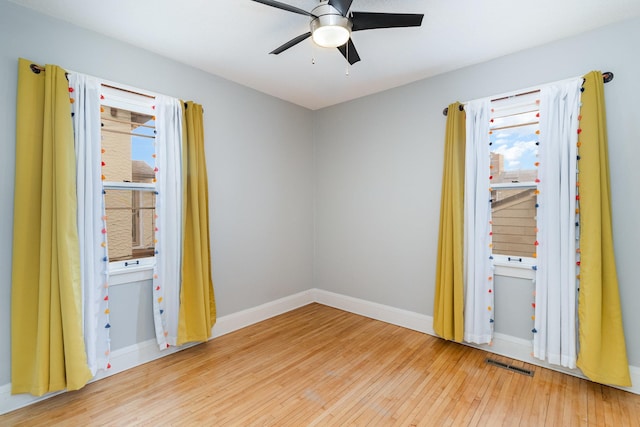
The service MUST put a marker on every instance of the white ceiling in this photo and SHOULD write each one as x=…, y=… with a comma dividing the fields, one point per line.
x=232, y=38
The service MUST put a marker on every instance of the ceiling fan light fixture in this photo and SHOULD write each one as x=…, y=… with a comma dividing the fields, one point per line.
x=331, y=36
x=329, y=28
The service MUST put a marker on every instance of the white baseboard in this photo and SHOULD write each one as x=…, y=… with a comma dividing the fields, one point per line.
x=504, y=345
x=244, y=318
x=519, y=349
x=138, y=354
x=143, y=352
x=395, y=316
x=121, y=360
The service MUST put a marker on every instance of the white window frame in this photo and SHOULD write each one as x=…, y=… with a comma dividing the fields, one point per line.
x=128, y=98
x=508, y=265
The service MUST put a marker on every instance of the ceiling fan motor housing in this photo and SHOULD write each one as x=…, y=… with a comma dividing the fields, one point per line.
x=330, y=28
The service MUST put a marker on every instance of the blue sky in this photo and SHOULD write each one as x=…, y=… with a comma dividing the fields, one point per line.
x=143, y=148
x=518, y=146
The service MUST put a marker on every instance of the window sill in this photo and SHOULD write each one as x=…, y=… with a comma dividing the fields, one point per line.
x=121, y=276
x=517, y=271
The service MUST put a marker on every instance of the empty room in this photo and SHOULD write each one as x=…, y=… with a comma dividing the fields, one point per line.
x=258, y=212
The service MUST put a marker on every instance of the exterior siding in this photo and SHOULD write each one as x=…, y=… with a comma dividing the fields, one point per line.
x=514, y=223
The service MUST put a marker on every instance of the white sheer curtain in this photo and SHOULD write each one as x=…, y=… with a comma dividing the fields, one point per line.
x=555, y=312
x=85, y=93
x=169, y=205
x=478, y=314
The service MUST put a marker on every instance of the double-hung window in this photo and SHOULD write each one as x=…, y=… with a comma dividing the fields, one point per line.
x=514, y=142
x=129, y=177
x=531, y=229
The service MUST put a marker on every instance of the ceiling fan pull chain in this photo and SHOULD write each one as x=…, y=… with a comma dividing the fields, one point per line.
x=347, y=57
x=312, y=52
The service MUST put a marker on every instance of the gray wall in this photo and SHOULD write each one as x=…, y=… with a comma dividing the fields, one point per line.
x=259, y=157
x=361, y=179
x=379, y=167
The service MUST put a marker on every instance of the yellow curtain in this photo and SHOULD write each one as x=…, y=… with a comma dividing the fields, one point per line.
x=47, y=344
x=197, y=302
x=603, y=356
x=448, y=320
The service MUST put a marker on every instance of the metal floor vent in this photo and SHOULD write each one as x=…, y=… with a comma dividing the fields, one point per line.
x=509, y=367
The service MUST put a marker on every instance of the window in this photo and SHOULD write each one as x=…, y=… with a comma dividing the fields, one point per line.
x=532, y=209
x=513, y=180
x=130, y=204
x=128, y=173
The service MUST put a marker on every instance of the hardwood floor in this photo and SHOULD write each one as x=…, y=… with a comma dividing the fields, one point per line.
x=318, y=366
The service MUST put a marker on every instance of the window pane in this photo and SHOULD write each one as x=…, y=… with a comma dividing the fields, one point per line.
x=130, y=223
x=513, y=214
x=514, y=151
x=128, y=145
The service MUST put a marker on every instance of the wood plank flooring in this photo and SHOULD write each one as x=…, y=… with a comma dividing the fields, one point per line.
x=318, y=366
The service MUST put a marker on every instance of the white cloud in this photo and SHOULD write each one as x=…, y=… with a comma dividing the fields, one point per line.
x=502, y=138
x=513, y=164
x=514, y=152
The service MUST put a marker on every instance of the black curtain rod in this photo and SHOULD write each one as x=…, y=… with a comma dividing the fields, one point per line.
x=38, y=69
x=607, y=76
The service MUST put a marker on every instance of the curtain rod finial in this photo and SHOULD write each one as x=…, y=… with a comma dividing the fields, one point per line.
x=607, y=76
x=446, y=109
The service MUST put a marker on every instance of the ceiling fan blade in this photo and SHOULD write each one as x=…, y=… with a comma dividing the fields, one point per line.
x=352, y=55
x=373, y=20
x=341, y=6
x=284, y=6
x=290, y=43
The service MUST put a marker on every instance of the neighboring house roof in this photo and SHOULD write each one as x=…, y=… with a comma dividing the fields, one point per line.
x=141, y=171
x=515, y=199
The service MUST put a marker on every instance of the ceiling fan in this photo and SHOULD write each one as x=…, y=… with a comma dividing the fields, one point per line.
x=332, y=23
